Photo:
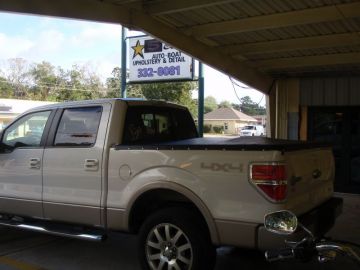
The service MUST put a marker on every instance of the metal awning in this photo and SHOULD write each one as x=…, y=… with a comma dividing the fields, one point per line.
x=254, y=41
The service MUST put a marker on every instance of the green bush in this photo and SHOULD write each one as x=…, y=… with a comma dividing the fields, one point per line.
x=207, y=128
x=218, y=129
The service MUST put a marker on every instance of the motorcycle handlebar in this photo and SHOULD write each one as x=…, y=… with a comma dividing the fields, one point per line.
x=306, y=252
x=279, y=254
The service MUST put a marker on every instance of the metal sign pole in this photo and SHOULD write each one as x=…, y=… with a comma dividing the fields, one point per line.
x=123, y=62
x=201, y=101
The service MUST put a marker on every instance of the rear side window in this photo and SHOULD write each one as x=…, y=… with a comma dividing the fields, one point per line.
x=78, y=127
x=157, y=124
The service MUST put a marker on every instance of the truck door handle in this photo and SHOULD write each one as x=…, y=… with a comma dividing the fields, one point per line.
x=34, y=163
x=91, y=165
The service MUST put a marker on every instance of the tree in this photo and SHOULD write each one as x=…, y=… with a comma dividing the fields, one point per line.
x=113, y=85
x=210, y=104
x=250, y=107
x=79, y=83
x=6, y=89
x=45, y=80
x=177, y=92
x=18, y=76
x=225, y=104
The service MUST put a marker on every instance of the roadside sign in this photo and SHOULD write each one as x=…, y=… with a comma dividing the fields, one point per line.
x=151, y=60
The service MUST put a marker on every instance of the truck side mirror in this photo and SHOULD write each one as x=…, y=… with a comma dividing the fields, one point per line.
x=281, y=222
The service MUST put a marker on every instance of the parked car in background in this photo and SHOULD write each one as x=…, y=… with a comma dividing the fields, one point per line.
x=252, y=130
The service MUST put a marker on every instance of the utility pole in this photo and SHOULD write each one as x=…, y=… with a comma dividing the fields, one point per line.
x=123, y=62
x=201, y=101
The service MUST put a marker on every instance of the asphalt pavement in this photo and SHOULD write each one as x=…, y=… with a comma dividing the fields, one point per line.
x=21, y=250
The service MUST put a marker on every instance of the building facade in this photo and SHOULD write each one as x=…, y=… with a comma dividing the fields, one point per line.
x=10, y=108
x=322, y=109
x=229, y=120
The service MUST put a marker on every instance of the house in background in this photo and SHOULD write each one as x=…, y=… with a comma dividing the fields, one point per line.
x=261, y=119
x=227, y=119
x=11, y=108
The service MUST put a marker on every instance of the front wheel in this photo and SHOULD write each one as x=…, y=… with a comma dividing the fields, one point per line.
x=175, y=239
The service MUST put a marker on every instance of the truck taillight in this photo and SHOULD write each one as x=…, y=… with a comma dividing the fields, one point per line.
x=270, y=179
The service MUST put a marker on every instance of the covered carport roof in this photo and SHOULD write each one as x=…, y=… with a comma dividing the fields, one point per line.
x=254, y=41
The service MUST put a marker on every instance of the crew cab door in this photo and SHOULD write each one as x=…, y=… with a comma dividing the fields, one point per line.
x=73, y=165
x=21, y=160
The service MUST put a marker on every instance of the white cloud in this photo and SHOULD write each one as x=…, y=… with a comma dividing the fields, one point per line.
x=12, y=47
x=103, y=66
x=49, y=41
x=96, y=34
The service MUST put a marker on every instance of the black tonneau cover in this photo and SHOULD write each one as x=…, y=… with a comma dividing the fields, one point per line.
x=239, y=143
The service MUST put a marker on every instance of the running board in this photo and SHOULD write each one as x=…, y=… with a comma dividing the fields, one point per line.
x=54, y=229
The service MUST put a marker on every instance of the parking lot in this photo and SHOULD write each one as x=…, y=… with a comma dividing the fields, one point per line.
x=32, y=251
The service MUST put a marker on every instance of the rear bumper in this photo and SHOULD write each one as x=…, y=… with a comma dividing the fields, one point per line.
x=319, y=221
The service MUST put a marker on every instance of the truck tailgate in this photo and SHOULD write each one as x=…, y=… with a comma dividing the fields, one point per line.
x=310, y=176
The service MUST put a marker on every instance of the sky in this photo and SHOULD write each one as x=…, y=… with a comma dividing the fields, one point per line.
x=64, y=42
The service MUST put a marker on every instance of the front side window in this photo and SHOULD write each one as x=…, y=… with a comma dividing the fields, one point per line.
x=28, y=131
x=78, y=127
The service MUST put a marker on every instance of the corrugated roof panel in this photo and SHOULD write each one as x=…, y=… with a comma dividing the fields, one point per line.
x=246, y=8
x=251, y=8
x=202, y=16
x=180, y=21
x=310, y=71
x=227, y=14
x=299, y=31
x=169, y=21
x=307, y=52
x=233, y=10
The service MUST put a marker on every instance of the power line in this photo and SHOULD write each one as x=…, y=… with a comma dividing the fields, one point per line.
x=57, y=87
x=233, y=85
x=238, y=85
x=244, y=87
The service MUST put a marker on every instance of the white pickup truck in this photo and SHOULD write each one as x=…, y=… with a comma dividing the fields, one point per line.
x=82, y=169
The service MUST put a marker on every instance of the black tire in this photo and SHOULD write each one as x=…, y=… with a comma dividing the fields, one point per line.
x=200, y=256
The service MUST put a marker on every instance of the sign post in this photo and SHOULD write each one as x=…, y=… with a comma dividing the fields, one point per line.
x=123, y=62
x=201, y=101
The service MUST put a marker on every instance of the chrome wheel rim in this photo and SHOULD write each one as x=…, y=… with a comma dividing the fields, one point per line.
x=168, y=248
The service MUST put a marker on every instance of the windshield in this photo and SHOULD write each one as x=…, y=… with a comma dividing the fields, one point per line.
x=248, y=128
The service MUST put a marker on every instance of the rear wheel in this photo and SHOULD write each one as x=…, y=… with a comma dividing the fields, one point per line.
x=175, y=239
